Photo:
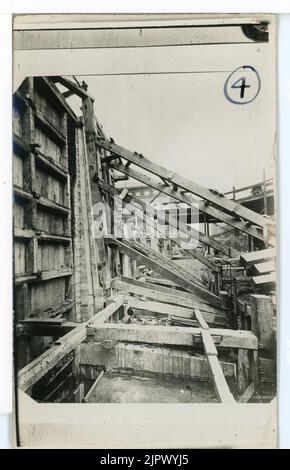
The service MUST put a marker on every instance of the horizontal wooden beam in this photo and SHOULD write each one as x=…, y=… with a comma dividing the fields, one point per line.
x=189, y=285
x=181, y=182
x=265, y=280
x=255, y=257
x=51, y=205
x=43, y=122
x=49, y=164
x=265, y=268
x=41, y=236
x=172, y=335
x=162, y=294
x=41, y=276
x=214, y=212
x=41, y=328
x=167, y=309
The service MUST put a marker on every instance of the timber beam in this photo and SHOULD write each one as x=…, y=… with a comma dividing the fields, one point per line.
x=173, y=310
x=172, y=335
x=220, y=201
x=36, y=369
x=166, y=271
x=196, y=205
x=188, y=233
x=167, y=295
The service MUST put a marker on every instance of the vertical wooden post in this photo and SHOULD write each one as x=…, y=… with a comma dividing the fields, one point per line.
x=243, y=370
x=262, y=319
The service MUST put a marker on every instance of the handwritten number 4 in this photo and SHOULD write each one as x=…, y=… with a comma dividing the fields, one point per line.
x=242, y=86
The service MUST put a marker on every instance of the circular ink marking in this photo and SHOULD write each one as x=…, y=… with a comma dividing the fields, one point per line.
x=242, y=87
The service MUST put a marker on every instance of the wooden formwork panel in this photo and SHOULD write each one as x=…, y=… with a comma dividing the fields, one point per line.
x=46, y=294
x=50, y=222
x=50, y=187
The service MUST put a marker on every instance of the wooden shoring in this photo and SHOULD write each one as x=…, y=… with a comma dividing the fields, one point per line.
x=36, y=369
x=168, y=309
x=168, y=272
x=220, y=201
x=139, y=207
x=221, y=387
x=214, y=212
x=171, y=335
x=162, y=294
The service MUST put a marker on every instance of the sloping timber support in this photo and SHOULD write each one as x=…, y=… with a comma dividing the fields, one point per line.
x=221, y=202
x=140, y=208
x=167, y=271
x=168, y=310
x=196, y=205
x=127, y=285
x=36, y=369
x=220, y=384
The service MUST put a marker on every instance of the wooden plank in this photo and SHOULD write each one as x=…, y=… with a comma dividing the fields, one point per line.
x=265, y=268
x=167, y=309
x=93, y=387
x=73, y=87
x=255, y=257
x=49, y=164
x=161, y=282
x=108, y=311
x=47, y=329
x=36, y=369
x=162, y=294
x=169, y=273
x=266, y=280
x=222, y=390
x=141, y=208
x=221, y=387
x=172, y=335
x=203, y=207
x=248, y=393
x=220, y=201
x=200, y=319
x=51, y=205
x=45, y=276
x=208, y=343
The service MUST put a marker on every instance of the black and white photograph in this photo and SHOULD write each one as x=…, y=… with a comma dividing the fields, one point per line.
x=144, y=219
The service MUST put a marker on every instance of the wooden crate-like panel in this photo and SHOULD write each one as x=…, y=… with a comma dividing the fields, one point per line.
x=50, y=257
x=17, y=122
x=50, y=187
x=20, y=256
x=50, y=222
x=19, y=215
x=47, y=294
x=18, y=170
x=48, y=146
x=47, y=109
